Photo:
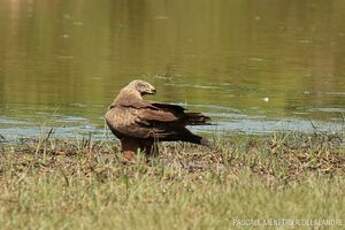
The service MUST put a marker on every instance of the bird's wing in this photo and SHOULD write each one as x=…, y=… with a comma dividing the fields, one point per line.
x=157, y=114
x=168, y=123
x=124, y=122
x=141, y=119
x=169, y=107
x=187, y=118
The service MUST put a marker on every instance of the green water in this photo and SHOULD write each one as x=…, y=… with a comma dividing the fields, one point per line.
x=245, y=63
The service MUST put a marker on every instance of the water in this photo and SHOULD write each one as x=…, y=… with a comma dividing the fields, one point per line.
x=253, y=66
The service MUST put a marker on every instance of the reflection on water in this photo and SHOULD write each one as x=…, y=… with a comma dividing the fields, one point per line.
x=263, y=60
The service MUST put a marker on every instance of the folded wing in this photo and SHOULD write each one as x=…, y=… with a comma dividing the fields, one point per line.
x=165, y=122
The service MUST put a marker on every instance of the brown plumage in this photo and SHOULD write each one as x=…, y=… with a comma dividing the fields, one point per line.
x=139, y=124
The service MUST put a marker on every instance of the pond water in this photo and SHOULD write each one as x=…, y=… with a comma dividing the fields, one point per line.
x=253, y=66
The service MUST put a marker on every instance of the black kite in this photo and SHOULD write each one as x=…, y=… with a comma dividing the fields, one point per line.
x=139, y=123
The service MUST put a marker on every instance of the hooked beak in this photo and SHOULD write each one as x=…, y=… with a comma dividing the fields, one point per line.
x=149, y=92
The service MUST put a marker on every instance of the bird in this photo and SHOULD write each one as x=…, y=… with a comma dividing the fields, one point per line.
x=140, y=124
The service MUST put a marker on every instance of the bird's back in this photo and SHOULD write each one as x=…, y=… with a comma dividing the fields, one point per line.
x=125, y=121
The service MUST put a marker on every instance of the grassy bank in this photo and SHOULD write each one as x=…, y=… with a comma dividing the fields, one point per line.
x=244, y=181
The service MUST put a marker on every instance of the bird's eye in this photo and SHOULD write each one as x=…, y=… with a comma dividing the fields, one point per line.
x=141, y=86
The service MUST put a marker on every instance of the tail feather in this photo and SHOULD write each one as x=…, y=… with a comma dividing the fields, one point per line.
x=197, y=119
x=195, y=139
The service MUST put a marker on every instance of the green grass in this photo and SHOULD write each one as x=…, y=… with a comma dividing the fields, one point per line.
x=55, y=184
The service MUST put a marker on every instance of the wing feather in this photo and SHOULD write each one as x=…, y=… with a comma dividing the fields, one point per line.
x=140, y=119
x=159, y=115
x=169, y=107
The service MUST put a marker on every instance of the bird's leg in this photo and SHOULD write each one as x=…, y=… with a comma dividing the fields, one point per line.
x=128, y=156
x=148, y=146
x=129, y=148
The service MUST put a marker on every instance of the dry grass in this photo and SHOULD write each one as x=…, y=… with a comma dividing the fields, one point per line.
x=49, y=183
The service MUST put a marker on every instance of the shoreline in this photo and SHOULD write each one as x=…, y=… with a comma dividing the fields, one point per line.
x=243, y=181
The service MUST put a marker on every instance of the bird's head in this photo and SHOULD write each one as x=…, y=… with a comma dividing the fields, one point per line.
x=142, y=87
